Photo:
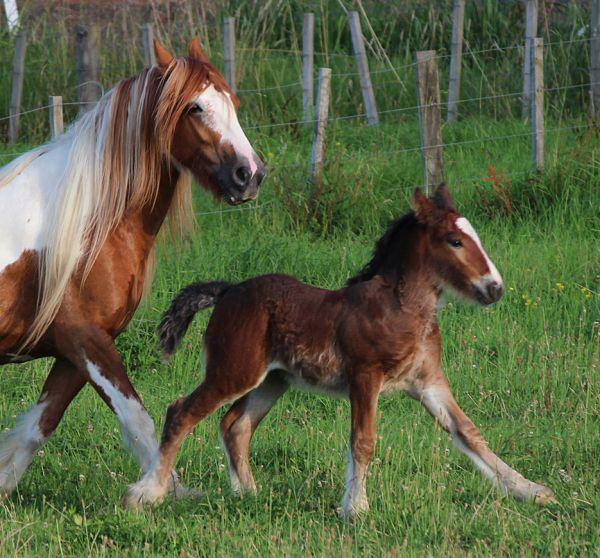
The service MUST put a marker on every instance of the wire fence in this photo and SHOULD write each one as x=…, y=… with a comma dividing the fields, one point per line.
x=359, y=115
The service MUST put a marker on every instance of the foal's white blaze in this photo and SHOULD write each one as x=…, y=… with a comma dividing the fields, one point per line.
x=27, y=202
x=137, y=428
x=19, y=445
x=463, y=224
x=218, y=113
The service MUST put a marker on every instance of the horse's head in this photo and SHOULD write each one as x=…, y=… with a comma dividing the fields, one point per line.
x=454, y=249
x=196, y=111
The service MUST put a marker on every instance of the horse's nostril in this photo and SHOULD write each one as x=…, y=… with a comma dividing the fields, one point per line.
x=242, y=175
x=495, y=290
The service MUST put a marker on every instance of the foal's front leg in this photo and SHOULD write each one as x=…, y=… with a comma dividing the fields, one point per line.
x=364, y=392
x=439, y=401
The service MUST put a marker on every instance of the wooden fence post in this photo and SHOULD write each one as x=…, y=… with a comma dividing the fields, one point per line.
x=428, y=101
x=362, y=64
x=595, y=59
x=531, y=23
x=322, y=112
x=55, y=112
x=458, y=20
x=148, y=44
x=537, y=102
x=18, y=72
x=308, y=37
x=89, y=88
x=229, y=51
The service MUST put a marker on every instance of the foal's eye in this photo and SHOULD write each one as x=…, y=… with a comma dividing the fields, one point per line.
x=194, y=110
x=455, y=243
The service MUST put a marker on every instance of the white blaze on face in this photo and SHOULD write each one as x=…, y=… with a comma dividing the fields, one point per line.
x=218, y=114
x=463, y=224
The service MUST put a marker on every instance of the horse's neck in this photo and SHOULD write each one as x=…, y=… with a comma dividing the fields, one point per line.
x=415, y=285
x=152, y=216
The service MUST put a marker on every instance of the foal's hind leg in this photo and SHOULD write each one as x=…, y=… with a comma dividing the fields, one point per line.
x=439, y=401
x=218, y=388
x=35, y=426
x=240, y=423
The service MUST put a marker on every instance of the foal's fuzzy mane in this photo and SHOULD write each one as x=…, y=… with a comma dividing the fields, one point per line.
x=397, y=228
x=116, y=154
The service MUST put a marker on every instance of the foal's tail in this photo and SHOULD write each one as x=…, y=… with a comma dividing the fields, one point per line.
x=184, y=306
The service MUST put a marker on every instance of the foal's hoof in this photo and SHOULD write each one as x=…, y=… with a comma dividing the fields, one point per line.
x=348, y=512
x=545, y=497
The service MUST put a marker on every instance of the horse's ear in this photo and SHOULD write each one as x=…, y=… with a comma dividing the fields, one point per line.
x=423, y=206
x=442, y=199
x=163, y=57
x=195, y=51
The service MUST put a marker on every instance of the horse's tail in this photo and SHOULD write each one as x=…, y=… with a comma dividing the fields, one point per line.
x=184, y=306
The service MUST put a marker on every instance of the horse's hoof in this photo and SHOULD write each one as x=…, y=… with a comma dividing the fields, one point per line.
x=183, y=493
x=545, y=497
x=141, y=494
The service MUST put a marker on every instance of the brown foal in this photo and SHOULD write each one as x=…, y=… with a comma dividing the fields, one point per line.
x=378, y=334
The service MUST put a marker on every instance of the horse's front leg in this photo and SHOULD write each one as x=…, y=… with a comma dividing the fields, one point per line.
x=437, y=398
x=98, y=359
x=365, y=385
x=33, y=427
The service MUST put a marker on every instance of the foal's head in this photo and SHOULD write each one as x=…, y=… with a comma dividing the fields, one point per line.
x=198, y=111
x=436, y=240
x=453, y=249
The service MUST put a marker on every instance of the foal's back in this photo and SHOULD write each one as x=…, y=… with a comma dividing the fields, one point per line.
x=313, y=334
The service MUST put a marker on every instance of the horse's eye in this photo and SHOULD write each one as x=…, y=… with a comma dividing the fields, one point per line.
x=194, y=109
x=455, y=243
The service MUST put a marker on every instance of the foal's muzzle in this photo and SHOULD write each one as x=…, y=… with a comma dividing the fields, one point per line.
x=488, y=291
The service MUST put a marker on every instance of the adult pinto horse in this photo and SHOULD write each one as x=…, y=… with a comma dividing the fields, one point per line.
x=78, y=222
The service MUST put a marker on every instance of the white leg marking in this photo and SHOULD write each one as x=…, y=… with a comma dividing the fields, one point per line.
x=18, y=447
x=137, y=428
x=490, y=465
x=355, y=496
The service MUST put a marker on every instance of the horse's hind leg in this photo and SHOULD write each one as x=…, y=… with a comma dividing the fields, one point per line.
x=219, y=387
x=439, y=401
x=35, y=426
x=240, y=423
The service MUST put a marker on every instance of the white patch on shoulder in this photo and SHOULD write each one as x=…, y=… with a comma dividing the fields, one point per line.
x=137, y=428
x=218, y=113
x=463, y=224
x=27, y=202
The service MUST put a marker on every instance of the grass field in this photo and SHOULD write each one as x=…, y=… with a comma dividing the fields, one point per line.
x=525, y=370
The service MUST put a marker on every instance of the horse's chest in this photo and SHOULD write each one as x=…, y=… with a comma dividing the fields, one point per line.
x=408, y=366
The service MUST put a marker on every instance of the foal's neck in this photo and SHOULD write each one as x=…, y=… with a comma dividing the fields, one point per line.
x=414, y=282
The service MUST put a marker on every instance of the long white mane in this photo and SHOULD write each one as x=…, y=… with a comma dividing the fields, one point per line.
x=116, y=153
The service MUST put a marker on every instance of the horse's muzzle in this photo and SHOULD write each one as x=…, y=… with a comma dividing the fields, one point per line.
x=489, y=292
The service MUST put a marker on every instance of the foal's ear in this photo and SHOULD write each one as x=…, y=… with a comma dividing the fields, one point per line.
x=196, y=52
x=163, y=58
x=442, y=199
x=423, y=206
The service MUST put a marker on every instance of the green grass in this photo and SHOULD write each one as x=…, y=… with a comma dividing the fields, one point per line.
x=525, y=370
